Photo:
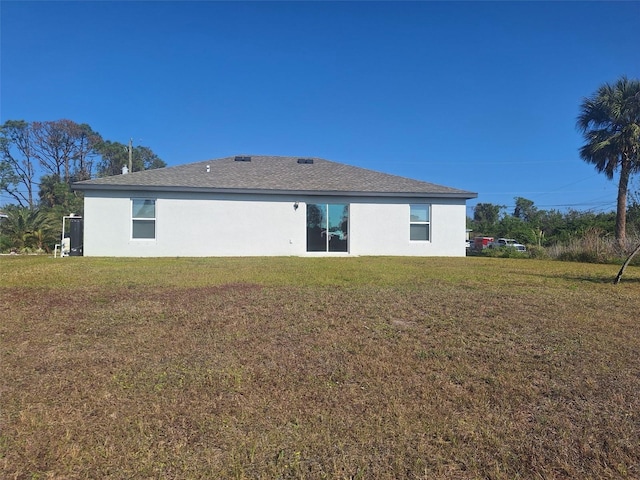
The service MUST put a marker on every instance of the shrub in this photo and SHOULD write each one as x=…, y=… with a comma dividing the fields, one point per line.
x=5, y=244
x=536, y=251
x=504, y=252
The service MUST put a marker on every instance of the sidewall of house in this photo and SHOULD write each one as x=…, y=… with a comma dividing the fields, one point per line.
x=200, y=224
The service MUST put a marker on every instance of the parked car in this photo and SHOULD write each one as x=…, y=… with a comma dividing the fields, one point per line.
x=507, y=242
x=480, y=243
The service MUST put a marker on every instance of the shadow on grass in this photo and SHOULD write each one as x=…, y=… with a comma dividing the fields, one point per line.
x=599, y=279
x=602, y=279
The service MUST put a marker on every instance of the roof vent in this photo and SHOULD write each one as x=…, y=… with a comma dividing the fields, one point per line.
x=242, y=159
x=305, y=160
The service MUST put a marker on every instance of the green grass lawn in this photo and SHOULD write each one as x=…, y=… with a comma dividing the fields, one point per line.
x=337, y=368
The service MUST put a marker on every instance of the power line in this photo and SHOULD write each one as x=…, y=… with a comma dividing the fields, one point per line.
x=592, y=204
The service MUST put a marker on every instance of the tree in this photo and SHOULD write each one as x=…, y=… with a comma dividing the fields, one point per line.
x=58, y=195
x=115, y=155
x=610, y=123
x=7, y=176
x=60, y=152
x=626, y=263
x=17, y=161
x=525, y=210
x=61, y=149
x=486, y=216
x=65, y=149
x=146, y=159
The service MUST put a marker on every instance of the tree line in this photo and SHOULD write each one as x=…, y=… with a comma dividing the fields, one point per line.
x=533, y=226
x=39, y=161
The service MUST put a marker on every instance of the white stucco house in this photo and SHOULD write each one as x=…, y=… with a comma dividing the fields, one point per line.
x=270, y=205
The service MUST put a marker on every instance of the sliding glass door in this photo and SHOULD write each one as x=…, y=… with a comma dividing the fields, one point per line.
x=327, y=227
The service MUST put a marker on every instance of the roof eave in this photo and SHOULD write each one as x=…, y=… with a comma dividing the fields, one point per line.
x=185, y=189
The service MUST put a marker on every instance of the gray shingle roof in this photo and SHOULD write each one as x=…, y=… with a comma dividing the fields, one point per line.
x=272, y=174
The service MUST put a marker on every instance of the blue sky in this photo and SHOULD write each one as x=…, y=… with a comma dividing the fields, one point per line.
x=481, y=96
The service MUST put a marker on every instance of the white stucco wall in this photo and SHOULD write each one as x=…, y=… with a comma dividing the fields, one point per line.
x=192, y=224
x=383, y=228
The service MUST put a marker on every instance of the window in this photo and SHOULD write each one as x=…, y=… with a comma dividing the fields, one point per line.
x=419, y=223
x=327, y=227
x=143, y=215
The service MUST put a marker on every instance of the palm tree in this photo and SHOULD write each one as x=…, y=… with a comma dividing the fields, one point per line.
x=26, y=228
x=610, y=123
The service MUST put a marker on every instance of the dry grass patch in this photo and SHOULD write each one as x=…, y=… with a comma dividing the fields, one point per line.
x=318, y=368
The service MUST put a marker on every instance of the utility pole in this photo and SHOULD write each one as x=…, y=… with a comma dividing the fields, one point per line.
x=130, y=155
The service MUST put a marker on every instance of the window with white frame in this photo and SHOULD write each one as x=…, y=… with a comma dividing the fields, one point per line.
x=419, y=222
x=143, y=218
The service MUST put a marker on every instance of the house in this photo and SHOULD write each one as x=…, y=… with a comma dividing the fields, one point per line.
x=270, y=205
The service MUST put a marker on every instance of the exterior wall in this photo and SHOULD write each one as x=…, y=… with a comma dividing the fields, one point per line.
x=383, y=228
x=194, y=224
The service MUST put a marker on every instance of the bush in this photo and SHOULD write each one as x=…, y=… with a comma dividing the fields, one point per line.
x=581, y=256
x=5, y=244
x=504, y=252
x=536, y=251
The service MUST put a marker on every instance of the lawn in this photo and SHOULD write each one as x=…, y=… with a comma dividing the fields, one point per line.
x=340, y=368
